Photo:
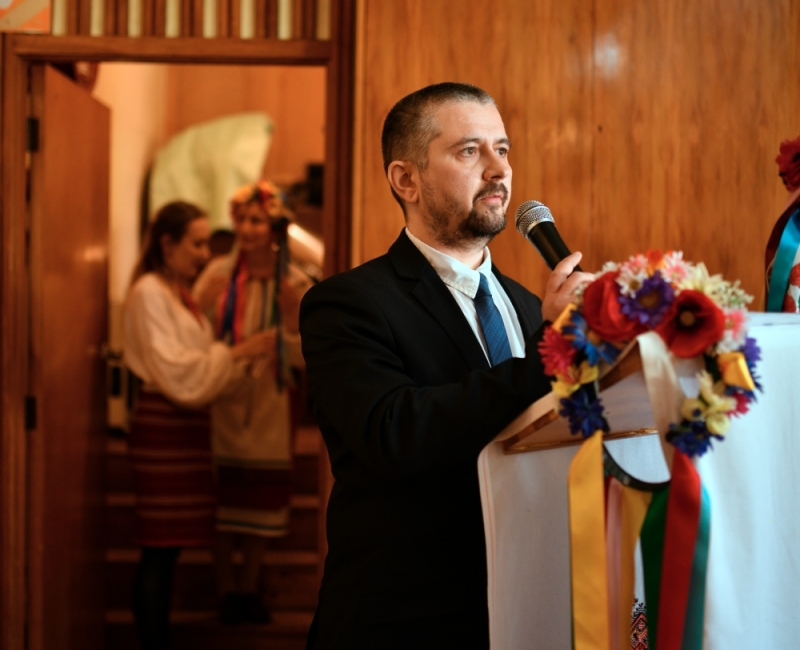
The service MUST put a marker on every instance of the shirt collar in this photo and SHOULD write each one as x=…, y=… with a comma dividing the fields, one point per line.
x=454, y=273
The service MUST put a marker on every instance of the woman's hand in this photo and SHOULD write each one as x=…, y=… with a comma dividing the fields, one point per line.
x=260, y=344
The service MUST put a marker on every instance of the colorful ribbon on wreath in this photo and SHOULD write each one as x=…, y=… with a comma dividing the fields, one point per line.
x=784, y=260
x=606, y=520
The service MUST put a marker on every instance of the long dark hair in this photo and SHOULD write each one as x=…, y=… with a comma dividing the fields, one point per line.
x=172, y=220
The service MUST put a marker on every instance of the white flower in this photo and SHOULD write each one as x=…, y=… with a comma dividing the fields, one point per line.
x=735, y=333
x=631, y=278
x=700, y=280
x=673, y=267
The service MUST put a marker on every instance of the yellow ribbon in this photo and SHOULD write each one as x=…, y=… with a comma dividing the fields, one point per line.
x=563, y=317
x=587, y=547
x=613, y=557
x=735, y=372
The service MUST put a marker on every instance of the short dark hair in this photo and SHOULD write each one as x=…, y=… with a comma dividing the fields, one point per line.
x=172, y=220
x=409, y=127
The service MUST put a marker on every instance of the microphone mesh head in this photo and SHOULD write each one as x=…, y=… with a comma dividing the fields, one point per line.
x=531, y=213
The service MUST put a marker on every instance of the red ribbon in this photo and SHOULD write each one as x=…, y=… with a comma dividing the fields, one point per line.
x=682, y=524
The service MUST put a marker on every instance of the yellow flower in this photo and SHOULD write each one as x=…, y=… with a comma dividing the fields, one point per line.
x=563, y=388
x=713, y=394
x=693, y=409
x=584, y=374
x=711, y=405
x=700, y=280
x=718, y=423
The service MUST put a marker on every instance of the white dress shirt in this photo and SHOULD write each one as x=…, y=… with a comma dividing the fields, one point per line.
x=463, y=283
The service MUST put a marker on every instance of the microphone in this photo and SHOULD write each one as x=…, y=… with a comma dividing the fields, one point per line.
x=535, y=222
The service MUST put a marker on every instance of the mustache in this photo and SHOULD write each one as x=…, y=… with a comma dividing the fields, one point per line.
x=492, y=188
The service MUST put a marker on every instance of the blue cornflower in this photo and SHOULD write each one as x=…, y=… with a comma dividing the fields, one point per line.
x=584, y=415
x=752, y=354
x=581, y=341
x=650, y=302
x=691, y=437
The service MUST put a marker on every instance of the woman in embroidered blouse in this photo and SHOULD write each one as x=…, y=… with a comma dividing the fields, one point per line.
x=251, y=429
x=170, y=347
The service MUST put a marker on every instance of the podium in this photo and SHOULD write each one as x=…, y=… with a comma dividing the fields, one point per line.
x=752, y=477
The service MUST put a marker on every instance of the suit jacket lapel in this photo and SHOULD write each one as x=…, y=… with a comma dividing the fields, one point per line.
x=434, y=295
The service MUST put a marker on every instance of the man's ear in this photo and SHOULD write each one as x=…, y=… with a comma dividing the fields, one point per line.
x=403, y=178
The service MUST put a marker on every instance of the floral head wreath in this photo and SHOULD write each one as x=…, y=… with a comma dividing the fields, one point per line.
x=695, y=313
x=265, y=193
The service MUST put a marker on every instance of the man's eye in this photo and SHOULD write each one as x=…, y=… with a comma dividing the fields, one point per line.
x=469, y=150
x=502, y=151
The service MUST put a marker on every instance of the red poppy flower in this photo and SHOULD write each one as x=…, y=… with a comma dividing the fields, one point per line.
x=789, y=164
x=601, y=309
x=694, y=324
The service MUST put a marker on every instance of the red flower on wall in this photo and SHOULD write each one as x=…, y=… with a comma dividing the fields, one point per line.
x=695, y=324
x=789, y=163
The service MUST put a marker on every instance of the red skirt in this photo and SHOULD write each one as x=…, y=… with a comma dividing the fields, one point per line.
x=170, y=450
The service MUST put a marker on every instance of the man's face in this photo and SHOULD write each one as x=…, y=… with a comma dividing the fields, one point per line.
x=466, y=185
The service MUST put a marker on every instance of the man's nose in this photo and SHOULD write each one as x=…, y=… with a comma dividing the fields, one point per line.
x=497, y=167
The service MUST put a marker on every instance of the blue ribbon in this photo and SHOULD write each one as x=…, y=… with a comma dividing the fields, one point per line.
x=784, y=260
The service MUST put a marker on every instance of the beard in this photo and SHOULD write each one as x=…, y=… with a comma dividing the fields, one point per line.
x=473, y=227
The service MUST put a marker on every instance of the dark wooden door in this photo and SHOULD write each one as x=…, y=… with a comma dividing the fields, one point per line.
x=68, y=270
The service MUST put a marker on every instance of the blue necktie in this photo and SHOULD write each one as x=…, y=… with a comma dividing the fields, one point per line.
x=494, y=332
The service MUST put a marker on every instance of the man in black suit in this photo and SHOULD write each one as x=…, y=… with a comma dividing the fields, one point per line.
x=408, y=387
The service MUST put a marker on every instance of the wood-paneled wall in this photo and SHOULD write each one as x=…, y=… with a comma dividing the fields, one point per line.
x=641, y=124
x=294, y=97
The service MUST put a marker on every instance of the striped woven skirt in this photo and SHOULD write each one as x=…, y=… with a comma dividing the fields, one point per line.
x=254, y=497
x=170, y=451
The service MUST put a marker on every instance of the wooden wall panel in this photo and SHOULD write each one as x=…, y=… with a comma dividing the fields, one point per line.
x=641, y=124
x=532, y=58
x=693, y=100
x=294, y=97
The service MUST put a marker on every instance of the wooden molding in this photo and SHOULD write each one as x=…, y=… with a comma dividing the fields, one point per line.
x=13, y=351
x=339, y=150
x=533, y=437
x=37, y=47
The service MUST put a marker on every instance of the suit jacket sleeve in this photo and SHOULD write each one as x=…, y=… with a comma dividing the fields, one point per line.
x=370, y=407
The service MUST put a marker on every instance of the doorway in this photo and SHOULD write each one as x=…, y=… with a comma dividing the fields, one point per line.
x=153, y=107
x=20, y=423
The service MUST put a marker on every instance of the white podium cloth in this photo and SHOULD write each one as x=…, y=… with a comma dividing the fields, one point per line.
x=753, y=581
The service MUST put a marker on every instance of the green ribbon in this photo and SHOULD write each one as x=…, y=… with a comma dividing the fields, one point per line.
x=695, y=608
x=652, y=540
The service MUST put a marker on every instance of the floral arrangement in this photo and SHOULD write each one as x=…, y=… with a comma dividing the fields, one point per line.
x=263, y=192
x=694, y=312
x=789, y=163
